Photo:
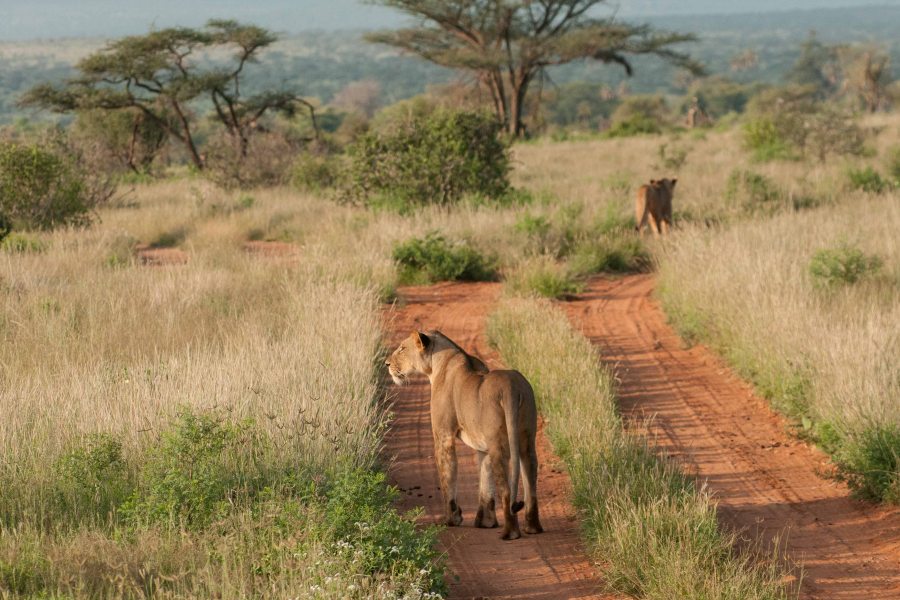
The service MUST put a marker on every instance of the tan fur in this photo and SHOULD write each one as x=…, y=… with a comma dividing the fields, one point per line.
x=492, y=412
x=654, y=204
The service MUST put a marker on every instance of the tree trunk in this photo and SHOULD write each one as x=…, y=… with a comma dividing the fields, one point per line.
x=188, y=138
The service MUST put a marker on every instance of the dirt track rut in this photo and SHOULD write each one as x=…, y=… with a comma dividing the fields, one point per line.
x=536, y=567
x=765, y=481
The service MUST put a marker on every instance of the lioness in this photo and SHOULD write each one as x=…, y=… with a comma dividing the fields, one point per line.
x=492, y=412
x=654, y=204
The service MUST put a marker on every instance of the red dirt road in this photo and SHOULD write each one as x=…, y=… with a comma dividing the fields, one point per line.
x=547, y=566
x=766, y=482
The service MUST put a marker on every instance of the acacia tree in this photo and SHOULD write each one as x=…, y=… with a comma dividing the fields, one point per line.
x=162, y=74
x=508, y=44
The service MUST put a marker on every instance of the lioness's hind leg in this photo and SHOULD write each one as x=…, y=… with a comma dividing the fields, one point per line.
x=529, y=461
x=500, y=470
x=445, y=456
x=487, y=516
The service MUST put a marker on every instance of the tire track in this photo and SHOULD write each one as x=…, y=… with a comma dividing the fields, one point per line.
x=536, y=567
x=766, y=482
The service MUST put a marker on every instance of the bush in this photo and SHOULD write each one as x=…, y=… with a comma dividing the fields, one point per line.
x=43, y=187
x=763, y=138
x=200, y=467
x=92, y=480
x=871, y=461
x=868, y=180
x=546, y=236
x=18, y=243
x=360, y=516
x=638, y=114
x=267, y=162
x=608, y=254
x=434, y=158
x=434, y=258
x=752, y=192
x=314, y=172
x=842, y=265
x=543, y=277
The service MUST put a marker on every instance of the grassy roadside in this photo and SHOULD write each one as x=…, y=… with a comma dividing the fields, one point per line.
x=811, y=318
x=655, y=533
x=208, y=430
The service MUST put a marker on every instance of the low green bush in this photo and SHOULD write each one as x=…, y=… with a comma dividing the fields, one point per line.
x=544, y=277
x=93, y=480
x=763, y=138
x=20, y=243
x=315, y=172
x=752, y=192
x=42, y=186
x=868, y=180
x=609, y=254
x=870, y=460
x=435, y=258
x=843, y=264
x=893, y=165
x=435, y=158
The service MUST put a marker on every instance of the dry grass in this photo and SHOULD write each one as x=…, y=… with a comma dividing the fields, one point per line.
x=828, y=356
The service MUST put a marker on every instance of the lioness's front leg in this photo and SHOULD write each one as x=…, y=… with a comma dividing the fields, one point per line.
x=486, y=516
x=445, y=456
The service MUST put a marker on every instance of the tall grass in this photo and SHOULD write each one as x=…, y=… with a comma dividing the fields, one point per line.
x=806, y=306
x=201, y=430
x=653, y=531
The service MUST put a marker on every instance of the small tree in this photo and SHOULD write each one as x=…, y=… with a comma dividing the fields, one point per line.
x=866, y=75
x=42, y=186
x=160, y=76
x=508, y=44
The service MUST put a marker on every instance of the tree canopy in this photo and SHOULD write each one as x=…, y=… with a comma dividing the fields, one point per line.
x=160, y=75
x=508, y=44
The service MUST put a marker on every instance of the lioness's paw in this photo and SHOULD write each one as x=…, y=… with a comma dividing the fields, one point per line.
x=511, y=535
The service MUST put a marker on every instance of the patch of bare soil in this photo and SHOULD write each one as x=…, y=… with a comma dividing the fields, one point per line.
x=271, y=249
x=160, y=257
x=546, y=566
x=767, y=482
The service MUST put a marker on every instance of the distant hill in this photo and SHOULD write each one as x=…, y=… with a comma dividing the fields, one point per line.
x=43, y=19
x=320, y=63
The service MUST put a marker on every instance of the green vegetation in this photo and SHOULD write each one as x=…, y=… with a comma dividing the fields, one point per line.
x=543, y=276
x=432, y=159
x=868, y=180
x=842, y=265
x=434, y=258
x=41, y=187
x=655, y=533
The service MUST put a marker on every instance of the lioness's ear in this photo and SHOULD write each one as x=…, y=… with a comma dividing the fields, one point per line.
x=422, y=341
x=674, y=181
x=653, y=182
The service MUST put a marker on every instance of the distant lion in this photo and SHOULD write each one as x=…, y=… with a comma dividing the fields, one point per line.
x=654, y=204
x=492, y=412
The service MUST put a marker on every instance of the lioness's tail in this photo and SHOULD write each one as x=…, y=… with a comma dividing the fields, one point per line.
x=512, y=430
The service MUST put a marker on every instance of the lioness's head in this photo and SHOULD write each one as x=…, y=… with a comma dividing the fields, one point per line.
x=413, y=355
x=666, y=184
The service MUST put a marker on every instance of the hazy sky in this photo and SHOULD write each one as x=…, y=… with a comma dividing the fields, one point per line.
x=28, y=19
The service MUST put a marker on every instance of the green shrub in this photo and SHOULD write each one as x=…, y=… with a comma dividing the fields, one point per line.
x=553, y=238
x=435, y=158
x=543, y=277
x=359, y=514
x=868, y=180
x=842, y=265
x=763, y=138
x=92, y=480
x=752, y=192
x=609, y=254
x=434, y=258
x=18, y=243
x=200, y=467
x=637, y=115
x=871, y=461
x=43, y=187
x=315, y=172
